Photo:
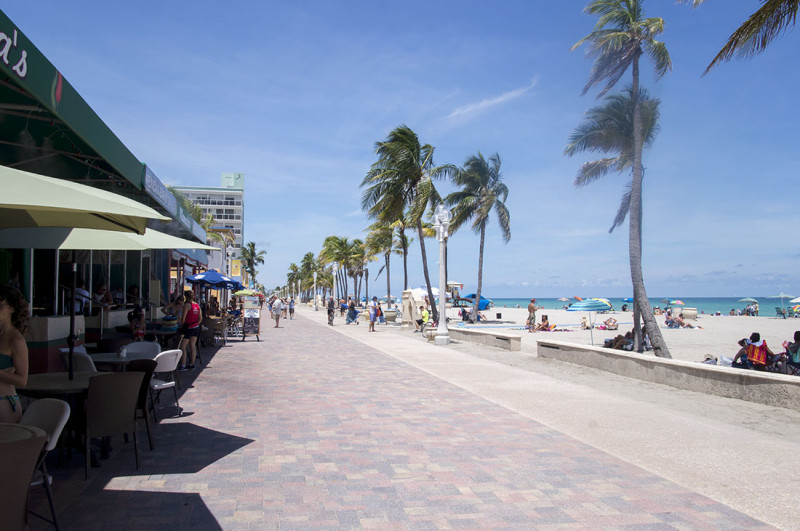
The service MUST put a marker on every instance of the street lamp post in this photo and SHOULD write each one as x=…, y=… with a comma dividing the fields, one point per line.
x=441, y=222
x=335, y=274
x=315, y=292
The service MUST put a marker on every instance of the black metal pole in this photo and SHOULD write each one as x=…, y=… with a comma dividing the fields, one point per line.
x=71, y=337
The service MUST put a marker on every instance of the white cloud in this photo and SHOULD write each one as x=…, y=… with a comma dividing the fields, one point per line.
x=466, y=112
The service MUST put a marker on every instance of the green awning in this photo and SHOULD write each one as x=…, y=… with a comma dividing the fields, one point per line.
x=31, y=200
x=48, y=127
x=93, y=240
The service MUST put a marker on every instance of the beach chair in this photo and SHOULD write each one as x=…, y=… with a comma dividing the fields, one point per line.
x=780, y=312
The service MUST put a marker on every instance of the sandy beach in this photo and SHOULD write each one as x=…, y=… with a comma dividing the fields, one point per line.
x=717, y=335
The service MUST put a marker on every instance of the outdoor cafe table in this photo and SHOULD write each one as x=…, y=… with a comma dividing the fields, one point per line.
x=113, y=358
x=56, y=384
x=13, y=432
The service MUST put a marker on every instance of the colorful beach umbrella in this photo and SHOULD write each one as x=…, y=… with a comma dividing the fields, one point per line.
x=677, y=302
x=590, y=305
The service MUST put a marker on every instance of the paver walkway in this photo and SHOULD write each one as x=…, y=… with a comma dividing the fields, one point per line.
x=312, y=429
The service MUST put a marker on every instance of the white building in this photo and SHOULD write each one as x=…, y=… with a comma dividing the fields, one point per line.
x=226, y=206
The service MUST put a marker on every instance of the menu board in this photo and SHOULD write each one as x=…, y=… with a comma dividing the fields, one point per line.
x=252, y=323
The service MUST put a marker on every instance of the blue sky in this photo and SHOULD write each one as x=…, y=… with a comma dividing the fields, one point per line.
x=296, y=93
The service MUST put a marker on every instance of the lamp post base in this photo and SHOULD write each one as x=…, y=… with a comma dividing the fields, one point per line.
x=443, y=339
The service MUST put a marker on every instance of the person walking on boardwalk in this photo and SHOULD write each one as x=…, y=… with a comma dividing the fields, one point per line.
x=373, y=313
x=291, y=307
x=331, y=310
x=277, y=308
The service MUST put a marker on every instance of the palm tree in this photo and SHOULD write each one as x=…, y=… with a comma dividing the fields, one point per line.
x=337, y=249
x=758, y=31
x=251, y=257
x=482, y=191
x=400, y=183
x=292, y=276
x=380, y=241
x=608, y=129
x=620, y=37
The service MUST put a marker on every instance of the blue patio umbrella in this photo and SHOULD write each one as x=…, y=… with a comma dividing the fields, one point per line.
x=214, y=279
x=627, y=299
x=590, y=305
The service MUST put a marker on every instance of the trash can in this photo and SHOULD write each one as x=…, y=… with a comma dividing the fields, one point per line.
x=499, y=315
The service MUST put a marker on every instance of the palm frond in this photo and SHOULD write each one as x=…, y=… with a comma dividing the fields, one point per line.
x=758, y=31
x=622, y=212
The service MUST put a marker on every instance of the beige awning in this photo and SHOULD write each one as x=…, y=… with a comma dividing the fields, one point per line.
x=32, y=200
x=91, y=239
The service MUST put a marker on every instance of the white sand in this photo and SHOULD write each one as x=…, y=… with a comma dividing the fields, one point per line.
x=718, y=335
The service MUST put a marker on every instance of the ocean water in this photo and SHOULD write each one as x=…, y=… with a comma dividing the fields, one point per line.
x=704, y=305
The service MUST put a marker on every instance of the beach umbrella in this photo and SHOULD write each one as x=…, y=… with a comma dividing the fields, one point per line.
x=214, y=279
x=627, y=299
x=563, y=299
x=782, y=296
x=748, y=299
x=590, y=305
x=795, y=301
x=677, y=302
x=32, y=200
x=245, y=292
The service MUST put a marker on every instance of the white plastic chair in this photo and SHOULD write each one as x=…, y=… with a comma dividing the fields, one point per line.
x=81, y=361
x=143, y=347
x=51, y=415
x=166, y=363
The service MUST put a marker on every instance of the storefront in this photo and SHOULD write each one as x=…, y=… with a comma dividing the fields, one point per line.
x=47, y=128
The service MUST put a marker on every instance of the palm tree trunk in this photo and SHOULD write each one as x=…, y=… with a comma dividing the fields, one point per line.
x=366, y=284
x=635, y=234
x=388, y=282
x=404, y=245
x=476, y=304
x=434, y=311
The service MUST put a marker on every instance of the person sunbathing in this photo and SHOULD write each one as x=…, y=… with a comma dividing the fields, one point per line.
x=620, y=342
x=754, y=354
x=611, y=324
x=544, y=326
x=793, y=354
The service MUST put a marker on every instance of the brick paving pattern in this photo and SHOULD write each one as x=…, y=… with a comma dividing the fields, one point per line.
x=311, y=429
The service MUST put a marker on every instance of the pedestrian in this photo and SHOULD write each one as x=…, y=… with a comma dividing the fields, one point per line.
x=190, y=328
x=331, y=310
x=373, y=313
x=531, y=324
x=291, y=307
x=277, y=308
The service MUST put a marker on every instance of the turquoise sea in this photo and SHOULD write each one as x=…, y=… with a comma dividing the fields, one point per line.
x=706, y=305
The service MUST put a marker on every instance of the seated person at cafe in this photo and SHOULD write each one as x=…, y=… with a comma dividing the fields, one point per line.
x=137, y=323
x=213, y=306
x=102, y=297
x=133, y=296
x=82, y=298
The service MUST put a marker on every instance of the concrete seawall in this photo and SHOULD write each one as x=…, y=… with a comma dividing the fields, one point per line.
x=763, y=388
